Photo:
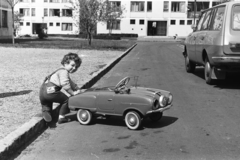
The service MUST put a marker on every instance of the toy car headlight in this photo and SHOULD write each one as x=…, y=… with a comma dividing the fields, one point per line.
x=163, y=101
x=170, y=98
x=155, y=104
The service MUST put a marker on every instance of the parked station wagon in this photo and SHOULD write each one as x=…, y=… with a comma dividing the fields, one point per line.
x=133, y=103
x=215, y=42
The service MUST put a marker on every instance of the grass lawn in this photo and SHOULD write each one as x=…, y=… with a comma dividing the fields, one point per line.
x=24, y=66
x=68, y=43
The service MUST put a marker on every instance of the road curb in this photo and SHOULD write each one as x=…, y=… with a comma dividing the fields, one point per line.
x=22, y=136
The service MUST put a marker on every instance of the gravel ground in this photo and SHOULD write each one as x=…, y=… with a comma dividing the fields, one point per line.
x=22, y=72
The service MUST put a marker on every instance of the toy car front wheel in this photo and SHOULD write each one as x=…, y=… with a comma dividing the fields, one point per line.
x=189, y=65
x=84, y=116
x=155, y=116
x=208, y=72
x=133, y=120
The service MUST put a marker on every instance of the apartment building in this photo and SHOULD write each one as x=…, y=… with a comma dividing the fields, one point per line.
x=53, y=15
x=5, y=20
x=157, y=17
x=142, y=17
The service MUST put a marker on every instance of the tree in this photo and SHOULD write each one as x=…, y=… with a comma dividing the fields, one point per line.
x=17, y=20
x=12, y=4
x=112, y=12
x=87, y=14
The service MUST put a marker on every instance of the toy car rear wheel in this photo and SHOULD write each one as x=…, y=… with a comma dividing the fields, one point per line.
x=156, y=116
x=133, y=120
x=189, y=65
x=84, y=116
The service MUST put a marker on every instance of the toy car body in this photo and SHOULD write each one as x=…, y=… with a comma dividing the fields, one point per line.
x=133, y=103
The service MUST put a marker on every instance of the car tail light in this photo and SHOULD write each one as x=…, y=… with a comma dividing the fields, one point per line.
x=163, y=101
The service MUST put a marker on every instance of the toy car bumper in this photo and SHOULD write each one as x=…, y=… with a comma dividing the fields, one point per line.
x=160, y=109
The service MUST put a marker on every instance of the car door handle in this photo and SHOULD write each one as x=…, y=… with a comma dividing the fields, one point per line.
x=109, y=99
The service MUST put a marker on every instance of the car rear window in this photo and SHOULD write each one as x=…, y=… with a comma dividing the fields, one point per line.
x=218, y=18
x=236, y=17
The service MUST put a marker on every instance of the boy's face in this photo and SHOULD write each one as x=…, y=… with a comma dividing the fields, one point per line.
x=71, y=66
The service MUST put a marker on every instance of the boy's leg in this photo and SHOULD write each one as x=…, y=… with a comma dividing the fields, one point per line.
x=46, y=112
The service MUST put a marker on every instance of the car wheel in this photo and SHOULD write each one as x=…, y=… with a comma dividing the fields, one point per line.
x=189, y=65
x=133, y=120
x=156, y=116
x=84, y=116
x=208, y=72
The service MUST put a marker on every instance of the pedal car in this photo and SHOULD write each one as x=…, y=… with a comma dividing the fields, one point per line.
x=132, y=103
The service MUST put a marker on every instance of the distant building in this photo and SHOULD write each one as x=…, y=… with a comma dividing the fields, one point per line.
x=157, y=17
x=142, y=17
x=52, y=15
x=5, y=20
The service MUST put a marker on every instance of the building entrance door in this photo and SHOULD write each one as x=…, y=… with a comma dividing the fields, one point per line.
x=36, y=27
x=157, y=28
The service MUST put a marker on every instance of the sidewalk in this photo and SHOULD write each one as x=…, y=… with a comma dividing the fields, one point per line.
x=22, y=136
x=160, y=39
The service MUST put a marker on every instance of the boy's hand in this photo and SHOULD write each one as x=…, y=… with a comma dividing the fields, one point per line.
x=77, y=92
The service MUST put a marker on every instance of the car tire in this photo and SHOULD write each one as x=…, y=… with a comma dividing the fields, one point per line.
x=84, y=116
x=133, y=120
x=208, y=72
x=189, y=65
x=156, y=116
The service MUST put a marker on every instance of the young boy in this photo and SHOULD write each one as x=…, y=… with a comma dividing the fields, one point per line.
x=56, y=85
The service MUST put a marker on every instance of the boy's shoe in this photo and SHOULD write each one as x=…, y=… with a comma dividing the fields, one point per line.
x=47, y=116
x=63, y=120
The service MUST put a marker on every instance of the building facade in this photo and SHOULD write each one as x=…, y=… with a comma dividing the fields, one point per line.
x=5, y=20
x=142, y=17
x=53, y=15
x=157, y=17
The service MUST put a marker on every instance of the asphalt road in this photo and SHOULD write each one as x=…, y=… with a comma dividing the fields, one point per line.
x=203, y=123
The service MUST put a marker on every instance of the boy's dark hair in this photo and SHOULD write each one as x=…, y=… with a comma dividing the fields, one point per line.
x=71, y=56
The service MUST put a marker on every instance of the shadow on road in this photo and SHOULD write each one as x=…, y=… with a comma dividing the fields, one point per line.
x=119, y=121
x=231, y=82
x=165, y=121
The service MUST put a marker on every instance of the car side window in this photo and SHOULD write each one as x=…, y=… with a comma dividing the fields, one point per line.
x=200, y=22
x=206, y=20
x=236, y=17
x=218, y=19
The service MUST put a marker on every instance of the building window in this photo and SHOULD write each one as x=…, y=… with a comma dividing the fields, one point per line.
x=25, y=1
x=137, y=6
x=66, y=12
x=54, y=1
x=115, y=3
x=21, y=23
x=54, y=12
x=45, y=12
x=28, y=24
x=45, y=0
x=33, y=12
x=4, y=19
x=132, y=21
x=173, y=22
x=24, y=11
x=165, y=6
x=141, y=21
x=67, y=27
x=115, y=25
x=149, y=6
x=50, y=24
x=58, y=24
x=178, y=7
x=189, y=22
x=181, y=22
x=65, y=1
x=33, y=1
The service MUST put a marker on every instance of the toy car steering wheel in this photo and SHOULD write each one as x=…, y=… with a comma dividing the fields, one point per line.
x=122, y=84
